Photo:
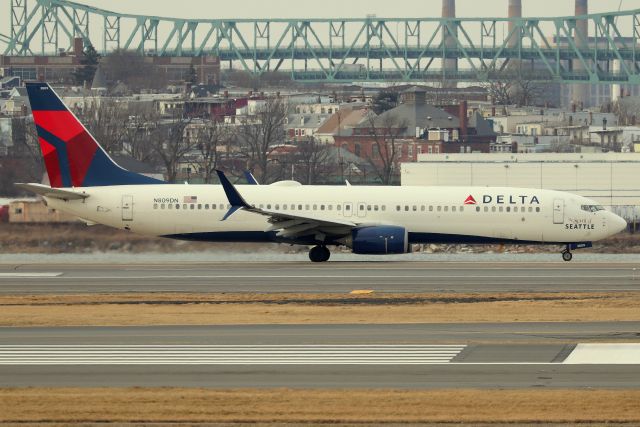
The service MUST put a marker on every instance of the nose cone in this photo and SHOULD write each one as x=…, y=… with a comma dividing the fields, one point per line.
x=617, y=224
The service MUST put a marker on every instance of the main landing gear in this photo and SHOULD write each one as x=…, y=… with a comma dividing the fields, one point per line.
x=319, y=254
x=567, y=255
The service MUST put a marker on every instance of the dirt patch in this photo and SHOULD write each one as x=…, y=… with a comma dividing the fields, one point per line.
x=318, y=406
x=226, y=309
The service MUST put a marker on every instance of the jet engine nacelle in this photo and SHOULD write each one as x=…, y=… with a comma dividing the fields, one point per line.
x=380, y=240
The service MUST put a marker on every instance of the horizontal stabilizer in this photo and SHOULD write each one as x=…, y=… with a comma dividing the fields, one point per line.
x=54, y=193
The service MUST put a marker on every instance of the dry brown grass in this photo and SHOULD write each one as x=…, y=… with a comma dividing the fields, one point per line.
x=221, y=309
x=318, y=406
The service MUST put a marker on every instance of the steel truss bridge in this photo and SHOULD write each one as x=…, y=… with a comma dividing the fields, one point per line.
x=397, y=49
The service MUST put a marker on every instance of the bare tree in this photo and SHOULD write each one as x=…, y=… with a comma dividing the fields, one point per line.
x=170, y=143
x=312, y=158
x=511, y=86
x=104, y=118
x=24, y=162
x=132, y=69
x=211, y=137
x=386, y=131
x=260, y=133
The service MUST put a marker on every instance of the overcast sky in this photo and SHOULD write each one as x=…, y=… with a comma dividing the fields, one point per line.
x=343, y=8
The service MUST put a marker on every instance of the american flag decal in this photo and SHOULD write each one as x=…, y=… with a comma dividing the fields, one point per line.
x=190, y=199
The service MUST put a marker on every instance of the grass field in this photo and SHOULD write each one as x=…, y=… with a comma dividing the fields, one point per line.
x=225, y=309
x=69, y=406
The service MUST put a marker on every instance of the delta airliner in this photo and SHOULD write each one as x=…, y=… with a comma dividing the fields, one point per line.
x=87, y=183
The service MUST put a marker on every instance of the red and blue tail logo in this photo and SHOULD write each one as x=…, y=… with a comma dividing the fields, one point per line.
x=72, y=156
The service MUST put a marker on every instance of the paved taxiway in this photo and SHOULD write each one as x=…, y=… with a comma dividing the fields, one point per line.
x=304, y=277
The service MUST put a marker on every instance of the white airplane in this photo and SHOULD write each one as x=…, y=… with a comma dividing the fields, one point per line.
x=86, y=182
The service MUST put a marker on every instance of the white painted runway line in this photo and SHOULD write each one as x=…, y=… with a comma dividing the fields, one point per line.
x=28, y=275
x=605, y=354
x=228, y=354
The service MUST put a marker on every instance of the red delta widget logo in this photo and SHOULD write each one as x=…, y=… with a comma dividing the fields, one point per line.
x=504, y=200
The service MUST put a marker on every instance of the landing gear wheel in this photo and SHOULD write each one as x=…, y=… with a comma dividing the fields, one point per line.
x=319, y=254
x=567, y=256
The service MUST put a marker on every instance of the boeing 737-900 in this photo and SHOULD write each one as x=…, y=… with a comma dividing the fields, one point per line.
x=86, y=182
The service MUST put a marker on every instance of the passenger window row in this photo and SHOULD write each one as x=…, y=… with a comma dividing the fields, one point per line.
x=515, y=209
x=190, y=206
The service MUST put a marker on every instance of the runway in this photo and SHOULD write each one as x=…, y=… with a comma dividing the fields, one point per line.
x=491, y=355
x=339, y=277
x=404, y=356
x=554, y=333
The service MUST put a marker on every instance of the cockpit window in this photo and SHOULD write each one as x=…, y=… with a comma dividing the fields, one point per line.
x=592, y=208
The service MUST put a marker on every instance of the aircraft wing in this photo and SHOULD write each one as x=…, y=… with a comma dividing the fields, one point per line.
x=288, y=225
x=54, y=193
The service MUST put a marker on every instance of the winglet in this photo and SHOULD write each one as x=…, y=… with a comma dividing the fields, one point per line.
x=235, y=199
x=251, y=180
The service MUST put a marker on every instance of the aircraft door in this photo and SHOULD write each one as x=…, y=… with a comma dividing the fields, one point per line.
x=347, y=210
x=127, y=208
x=362, y=209
x=558, y=211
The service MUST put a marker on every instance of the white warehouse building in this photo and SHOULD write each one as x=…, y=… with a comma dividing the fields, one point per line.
x=611, y=179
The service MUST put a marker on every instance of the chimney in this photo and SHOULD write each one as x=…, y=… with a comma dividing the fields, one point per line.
x=78, y=46
x=515, y=11
x=463, y=121
x=450, y=64
x=581, y=91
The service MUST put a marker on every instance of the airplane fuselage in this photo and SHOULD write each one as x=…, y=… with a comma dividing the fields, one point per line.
x=429, y=214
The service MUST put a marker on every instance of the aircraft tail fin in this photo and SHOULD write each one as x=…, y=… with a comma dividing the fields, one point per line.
x=72, y=156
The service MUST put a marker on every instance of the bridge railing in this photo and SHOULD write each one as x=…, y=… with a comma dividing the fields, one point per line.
x=405, y=48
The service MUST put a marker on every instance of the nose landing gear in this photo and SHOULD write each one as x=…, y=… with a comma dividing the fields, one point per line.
x=319, y=254
x=568, y=256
